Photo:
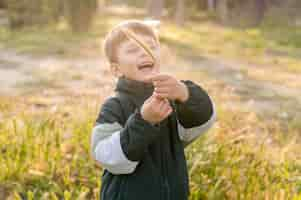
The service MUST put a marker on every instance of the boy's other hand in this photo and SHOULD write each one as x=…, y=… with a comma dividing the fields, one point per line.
x=155, y=109
x=167, y=86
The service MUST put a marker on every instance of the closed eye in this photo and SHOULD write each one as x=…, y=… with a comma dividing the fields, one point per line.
x=132, y=50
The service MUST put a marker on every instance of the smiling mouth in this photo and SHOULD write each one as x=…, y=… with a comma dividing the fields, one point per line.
x=146, y=66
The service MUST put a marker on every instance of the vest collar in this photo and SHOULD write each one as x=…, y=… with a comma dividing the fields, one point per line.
x=138, y=90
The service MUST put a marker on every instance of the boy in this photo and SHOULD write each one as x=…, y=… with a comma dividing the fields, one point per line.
x=140, y=134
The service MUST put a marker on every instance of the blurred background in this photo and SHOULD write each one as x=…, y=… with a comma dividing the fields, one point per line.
x=53, y=79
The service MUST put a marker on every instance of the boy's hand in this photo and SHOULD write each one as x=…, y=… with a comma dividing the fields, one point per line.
x=154, y=109
x=169, y=87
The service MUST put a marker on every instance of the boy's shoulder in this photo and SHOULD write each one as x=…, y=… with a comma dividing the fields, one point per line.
x=109, y=111
x=111, y=101
x=117, y=101
x=117, y=106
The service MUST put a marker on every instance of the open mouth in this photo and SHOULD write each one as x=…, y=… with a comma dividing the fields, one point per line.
x=147, y=65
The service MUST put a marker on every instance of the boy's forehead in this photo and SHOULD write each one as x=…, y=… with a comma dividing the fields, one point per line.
x=145, y=38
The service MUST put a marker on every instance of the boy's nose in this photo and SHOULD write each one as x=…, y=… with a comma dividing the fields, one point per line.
x=144, y=55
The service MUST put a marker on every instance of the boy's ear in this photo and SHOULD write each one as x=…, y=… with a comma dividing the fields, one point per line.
x=115, y=69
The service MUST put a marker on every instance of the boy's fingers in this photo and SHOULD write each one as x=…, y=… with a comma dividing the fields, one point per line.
x=162, y=89
x=157, y=95
x=149, y=99
x=166, y=105
x=166, y=100
x=160, y=77
x=164, y=83
x=167, y=111
x=155, y=101
x=162, y=95
x=161, y=105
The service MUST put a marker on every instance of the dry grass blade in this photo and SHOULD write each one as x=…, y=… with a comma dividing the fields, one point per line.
x=132, y=36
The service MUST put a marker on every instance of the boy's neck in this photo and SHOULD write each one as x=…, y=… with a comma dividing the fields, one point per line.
x=133, y=81
x=135, y=88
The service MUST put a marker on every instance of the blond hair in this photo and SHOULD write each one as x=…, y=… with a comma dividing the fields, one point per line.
x=116, y=36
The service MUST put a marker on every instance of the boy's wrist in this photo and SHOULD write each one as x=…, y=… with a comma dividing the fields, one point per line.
x=140, y=115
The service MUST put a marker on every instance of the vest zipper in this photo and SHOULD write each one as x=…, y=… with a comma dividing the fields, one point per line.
x=166, y=186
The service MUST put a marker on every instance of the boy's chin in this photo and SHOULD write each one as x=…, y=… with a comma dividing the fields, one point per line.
x=146, y=76
x=143, y=76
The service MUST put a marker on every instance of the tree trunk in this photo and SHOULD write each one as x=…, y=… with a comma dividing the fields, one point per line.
x=241, y=13
x=2, y=4
x=155, y=8
x=222, y=11
x=32, y=12
x=211, y=5
x=261, y=7
x=101, y=6
x=80, y=14
x=16, y=13
x=180, y=12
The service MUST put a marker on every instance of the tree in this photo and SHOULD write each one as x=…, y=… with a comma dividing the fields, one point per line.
x=81, y=13
x=155, y=8
x=2, y=4
x=222, y=11
x=211, y=5
x=32, y=12
x=180, y=12
x=16, y=13
x=241, y=12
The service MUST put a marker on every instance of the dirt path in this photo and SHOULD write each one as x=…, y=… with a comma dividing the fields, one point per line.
x=264, y=97
x=20, y=72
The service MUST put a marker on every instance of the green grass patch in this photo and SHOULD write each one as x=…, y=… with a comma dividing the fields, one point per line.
x=45, y=155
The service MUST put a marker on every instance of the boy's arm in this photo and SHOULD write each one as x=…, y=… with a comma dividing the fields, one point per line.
x=196, y=115
x=117, y=148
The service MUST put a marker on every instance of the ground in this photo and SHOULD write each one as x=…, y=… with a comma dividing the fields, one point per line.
x=53, y=84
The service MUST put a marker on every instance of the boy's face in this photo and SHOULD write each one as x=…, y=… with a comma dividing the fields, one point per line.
x=133, y=61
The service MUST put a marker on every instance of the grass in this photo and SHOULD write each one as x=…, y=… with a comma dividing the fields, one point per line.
x=233, y=167
x=54, y=39
x=267, y=45
x=258, y=46
x=45, y=155
x=45, y=143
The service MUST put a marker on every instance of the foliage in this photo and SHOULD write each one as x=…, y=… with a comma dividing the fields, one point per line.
x=45, y=146
x=79, y=14
x=45, y=155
